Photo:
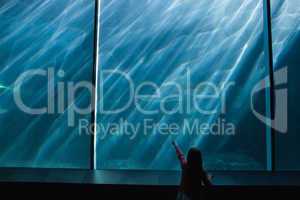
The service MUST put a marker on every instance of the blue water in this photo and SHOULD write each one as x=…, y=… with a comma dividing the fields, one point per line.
x=286, y=48
x=218, y=42
x=43, y=34
x=156, y=41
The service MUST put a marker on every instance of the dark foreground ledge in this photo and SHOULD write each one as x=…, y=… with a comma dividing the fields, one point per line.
x=141, y=192
x=154, y=178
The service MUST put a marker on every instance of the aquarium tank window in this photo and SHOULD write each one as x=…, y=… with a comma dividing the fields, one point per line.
x=44, y=44
x=286, y=48
x=183, y=71
x=110, y=84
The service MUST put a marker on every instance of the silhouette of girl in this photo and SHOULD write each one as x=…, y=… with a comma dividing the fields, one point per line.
x=193, y=176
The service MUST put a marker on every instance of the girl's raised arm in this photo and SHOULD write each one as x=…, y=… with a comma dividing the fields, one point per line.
x=179, y=154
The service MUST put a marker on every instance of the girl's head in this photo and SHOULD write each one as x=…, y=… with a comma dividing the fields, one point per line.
x=194, y=159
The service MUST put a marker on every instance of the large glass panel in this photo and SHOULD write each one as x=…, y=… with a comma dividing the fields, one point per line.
x=43, y=46
x=184, y=71
x=286, y=48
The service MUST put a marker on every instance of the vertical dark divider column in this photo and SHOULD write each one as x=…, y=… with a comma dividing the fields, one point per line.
x=269, y=53
x=94, y=82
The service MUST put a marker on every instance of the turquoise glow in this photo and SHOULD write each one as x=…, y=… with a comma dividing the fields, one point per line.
x=217, y=41
x=286, y=48
x=39, y=34
x=159, y=41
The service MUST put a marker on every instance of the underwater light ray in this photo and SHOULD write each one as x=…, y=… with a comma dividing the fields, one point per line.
x=44, y=34
x=190, y=46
